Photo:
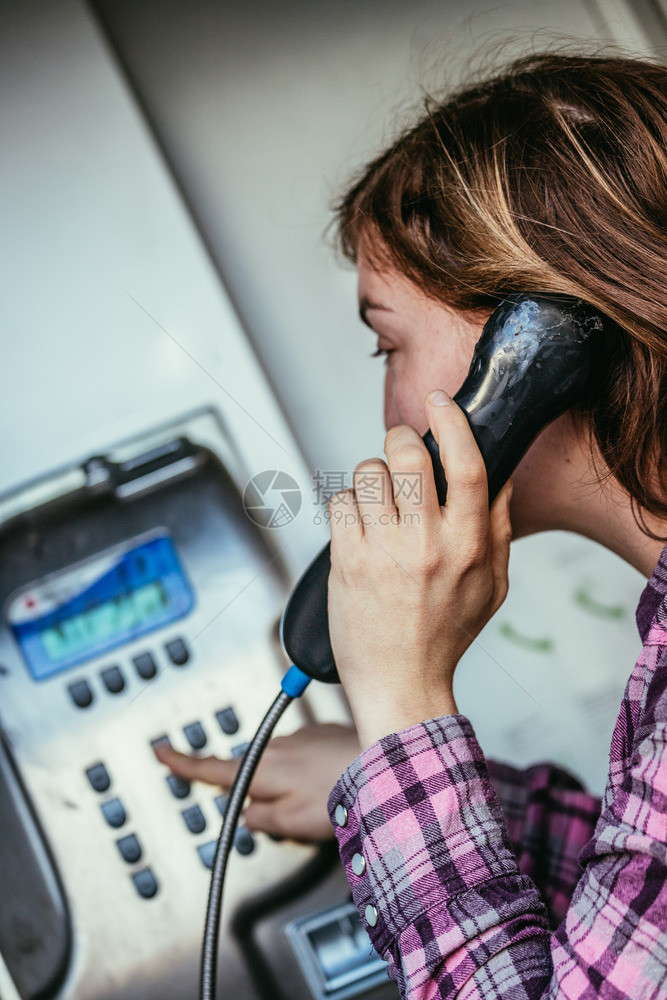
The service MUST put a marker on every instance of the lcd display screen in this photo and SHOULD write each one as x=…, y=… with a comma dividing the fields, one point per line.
x=100, y=605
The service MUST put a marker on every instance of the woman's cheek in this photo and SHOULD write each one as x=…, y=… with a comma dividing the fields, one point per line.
x=539, y=479
x=391, y=411
x=404, y=403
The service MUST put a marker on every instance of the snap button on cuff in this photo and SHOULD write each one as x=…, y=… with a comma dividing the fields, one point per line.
x=358, y=864
x=371, y=915
x=341, y=815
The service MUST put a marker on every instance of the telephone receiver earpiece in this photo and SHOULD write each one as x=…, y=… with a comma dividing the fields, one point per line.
x=534, y=360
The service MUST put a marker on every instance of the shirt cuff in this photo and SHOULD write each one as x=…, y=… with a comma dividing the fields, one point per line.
x=418, y=823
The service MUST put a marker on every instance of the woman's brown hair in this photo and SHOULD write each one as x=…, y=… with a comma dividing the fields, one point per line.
x=550, y=177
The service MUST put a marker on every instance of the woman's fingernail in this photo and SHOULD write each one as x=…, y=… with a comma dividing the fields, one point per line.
x=439, y=398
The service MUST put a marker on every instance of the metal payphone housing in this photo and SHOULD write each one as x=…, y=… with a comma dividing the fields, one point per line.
x=103, y=862
x=138, y=602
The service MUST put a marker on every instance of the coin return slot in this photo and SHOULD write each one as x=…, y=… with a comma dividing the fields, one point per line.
x=335, y=953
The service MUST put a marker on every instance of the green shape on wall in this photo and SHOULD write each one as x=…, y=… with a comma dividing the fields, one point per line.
x=582, y=597
x=544, y=645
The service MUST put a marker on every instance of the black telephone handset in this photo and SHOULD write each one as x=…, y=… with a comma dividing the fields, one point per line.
x=534, y=360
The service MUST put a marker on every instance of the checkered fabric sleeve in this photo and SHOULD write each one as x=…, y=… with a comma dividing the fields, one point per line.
x=550, y=818
x=436, y=878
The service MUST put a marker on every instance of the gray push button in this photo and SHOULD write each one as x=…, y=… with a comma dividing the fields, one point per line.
x=145, y=666
x=98, y=776
x=114, y=812
x=195, y=735
x=194, y=819
x=244, y=842
x=228, y=721
x=371, y=915
x=113, y=680
x=81, y=694
x=179, y=787
x=145, y=883
x=130, y=848
x=177, y=652
x=207, y=852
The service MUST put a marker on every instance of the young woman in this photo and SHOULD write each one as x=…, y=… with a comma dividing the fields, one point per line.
x=551, y=177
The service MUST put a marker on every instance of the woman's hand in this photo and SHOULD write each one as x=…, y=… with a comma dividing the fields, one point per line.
x=412, y=583
x=292, y=783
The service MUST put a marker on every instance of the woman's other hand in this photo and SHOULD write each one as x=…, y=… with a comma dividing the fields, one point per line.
x=292, y=783
x=413, y=583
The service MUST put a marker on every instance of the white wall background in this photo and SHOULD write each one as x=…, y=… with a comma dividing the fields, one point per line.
x=113, y=319
x=262, y=113
x=265, y=111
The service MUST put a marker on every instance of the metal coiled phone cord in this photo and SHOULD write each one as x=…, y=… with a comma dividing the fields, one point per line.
x=293, y=685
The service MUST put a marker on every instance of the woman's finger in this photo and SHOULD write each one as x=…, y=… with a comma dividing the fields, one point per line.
x=374, y=495
x=411, y=471
x=212, y=770
x=264, y=816
x=345, y=526
x=219, y=771
x=467, y=483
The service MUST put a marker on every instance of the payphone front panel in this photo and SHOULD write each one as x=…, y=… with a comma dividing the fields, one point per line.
x=138, y=603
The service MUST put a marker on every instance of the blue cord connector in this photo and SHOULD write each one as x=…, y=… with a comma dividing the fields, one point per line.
x=295, y=682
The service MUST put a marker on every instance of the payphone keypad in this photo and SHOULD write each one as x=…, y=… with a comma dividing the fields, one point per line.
x=98, y=634
x=244, y=842
x=193, y=816
x=146, y=667
x=194, y=820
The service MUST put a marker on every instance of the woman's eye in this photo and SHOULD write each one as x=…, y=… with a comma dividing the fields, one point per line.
x=382, y=351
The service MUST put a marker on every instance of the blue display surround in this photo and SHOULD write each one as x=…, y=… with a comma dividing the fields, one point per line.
x=144, y=590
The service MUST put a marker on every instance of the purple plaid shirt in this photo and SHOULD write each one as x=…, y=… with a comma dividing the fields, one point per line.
x=478, y=880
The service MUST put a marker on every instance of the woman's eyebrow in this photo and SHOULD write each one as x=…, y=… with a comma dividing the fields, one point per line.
x=366, y=304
